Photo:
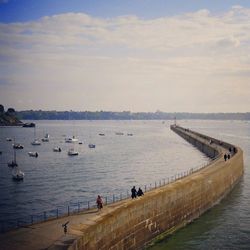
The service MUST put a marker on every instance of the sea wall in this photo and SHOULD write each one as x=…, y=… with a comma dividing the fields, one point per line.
x=131, y=224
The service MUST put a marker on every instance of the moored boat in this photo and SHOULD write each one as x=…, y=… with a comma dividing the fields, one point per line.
x=29, y=125
x=17, y=146
x=57, y=149
x=13, y=163
x=36, y=142
x=46, y=138
x=71, y=139
x=33, y=154
x=91, y=145
x=72, y=152
x=17, y=174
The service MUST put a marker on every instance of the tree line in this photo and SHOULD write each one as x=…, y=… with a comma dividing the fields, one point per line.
x=126, y=115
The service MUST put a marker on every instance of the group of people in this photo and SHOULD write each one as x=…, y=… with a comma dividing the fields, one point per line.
x=135, y=193
x=231, y=152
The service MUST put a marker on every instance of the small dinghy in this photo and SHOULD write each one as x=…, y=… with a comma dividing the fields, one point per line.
x=33, y=154
x=57, y=149
x=91, y=145
x=72, y=152
x=17, y=146
x=71, y=139
x=36, y=142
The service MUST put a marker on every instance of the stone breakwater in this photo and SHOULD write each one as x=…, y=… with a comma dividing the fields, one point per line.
x=132, y=224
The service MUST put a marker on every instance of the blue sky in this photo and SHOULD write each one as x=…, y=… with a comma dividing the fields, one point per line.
x=137, y=55
x=26, y=10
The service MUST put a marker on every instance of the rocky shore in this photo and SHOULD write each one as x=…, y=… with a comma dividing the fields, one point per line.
x=9, y=117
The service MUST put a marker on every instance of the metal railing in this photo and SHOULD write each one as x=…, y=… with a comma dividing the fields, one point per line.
x=74, y=208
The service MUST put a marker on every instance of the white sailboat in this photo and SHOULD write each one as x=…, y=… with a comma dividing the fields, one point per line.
x=17, y=145
x=46, y=138
x=17, y=174
x=71, y=139
x=57, y=149
x=72, y=151
x=13, y=163
x=36, y=141
x=33, y=154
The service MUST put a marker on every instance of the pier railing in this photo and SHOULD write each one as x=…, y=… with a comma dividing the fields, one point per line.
x=78, y=207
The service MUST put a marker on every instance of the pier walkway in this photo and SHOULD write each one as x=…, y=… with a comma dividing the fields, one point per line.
x=50, y=234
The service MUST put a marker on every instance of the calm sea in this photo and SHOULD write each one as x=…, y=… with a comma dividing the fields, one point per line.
x=153, y=154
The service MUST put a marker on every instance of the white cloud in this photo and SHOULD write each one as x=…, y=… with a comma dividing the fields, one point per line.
x=127, y=62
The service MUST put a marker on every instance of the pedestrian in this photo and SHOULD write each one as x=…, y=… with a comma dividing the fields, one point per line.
x=133, y=192
x=234, y=150
x=140, y=192
x=225, y=157
x=99, y=202
x=65, y=229
x=228, y=156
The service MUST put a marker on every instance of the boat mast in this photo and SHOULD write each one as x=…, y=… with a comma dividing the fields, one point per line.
x=14, y=155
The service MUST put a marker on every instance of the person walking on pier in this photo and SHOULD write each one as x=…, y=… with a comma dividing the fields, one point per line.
x=225, y=157
x=140, y=192
x=133, y=192
x=99, y=202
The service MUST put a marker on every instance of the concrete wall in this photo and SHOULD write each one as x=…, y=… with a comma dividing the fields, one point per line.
x=131, y=224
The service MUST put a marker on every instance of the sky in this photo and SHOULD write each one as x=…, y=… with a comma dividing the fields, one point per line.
x=133, y=55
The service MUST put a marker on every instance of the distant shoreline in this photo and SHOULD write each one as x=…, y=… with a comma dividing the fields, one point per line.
x=127, y=115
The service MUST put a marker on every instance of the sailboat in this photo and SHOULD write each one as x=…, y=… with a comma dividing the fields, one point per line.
x=57, y=149
x=13, y=163
x=17, y=145
x=36, y=142
x=17, y=174
x=33, y=154
x=46, y=138
x=71, y=139
x=72, y=151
